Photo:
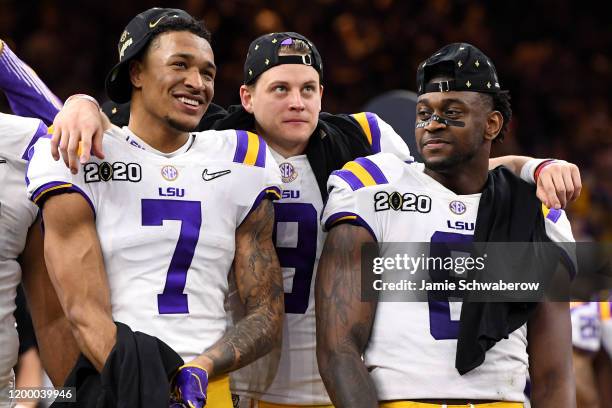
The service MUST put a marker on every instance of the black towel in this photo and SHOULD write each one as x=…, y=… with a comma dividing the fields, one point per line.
x=136, y=374
x=509, y=211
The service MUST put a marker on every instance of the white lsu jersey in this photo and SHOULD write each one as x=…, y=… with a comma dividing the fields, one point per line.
x=293, y=376
x=412, y=347
x=591, y=324
x=166, y=224
x=16, y=216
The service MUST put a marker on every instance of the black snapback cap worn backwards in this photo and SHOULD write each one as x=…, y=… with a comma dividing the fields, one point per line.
x=469, y=67
x=263, y=55
x=133, y=39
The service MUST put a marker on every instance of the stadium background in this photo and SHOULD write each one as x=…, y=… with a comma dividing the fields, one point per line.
x=554, y=57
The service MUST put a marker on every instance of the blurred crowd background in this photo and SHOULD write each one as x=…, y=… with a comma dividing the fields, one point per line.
x=553, y=56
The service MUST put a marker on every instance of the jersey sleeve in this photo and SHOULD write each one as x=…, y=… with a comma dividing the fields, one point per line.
x=259, y=176
x=559, y=230
x=17, y=134
x=381, y=136
x=26, y=92
x=46, y=177
x=350, y=197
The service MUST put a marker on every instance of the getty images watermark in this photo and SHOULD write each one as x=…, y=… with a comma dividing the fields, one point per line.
x=490, y=272
x=459, y=266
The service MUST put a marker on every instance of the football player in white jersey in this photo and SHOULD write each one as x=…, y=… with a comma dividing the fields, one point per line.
x=21, y=260
x=17, y=216
x=281, y=101
x=148, y=236
x=591, y=323
x=21, y=256
x=408, y=348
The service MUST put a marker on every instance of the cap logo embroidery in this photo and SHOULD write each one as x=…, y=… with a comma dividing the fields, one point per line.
x=153, y=24
x=444, y=86
x=124, y=46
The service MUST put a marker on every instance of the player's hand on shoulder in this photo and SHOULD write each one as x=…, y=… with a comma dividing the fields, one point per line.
x=188, y=387
x=558, y=183
x=77, y=131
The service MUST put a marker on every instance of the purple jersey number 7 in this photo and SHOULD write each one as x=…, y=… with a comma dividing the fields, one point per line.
x=441, y=326
x=172, y=300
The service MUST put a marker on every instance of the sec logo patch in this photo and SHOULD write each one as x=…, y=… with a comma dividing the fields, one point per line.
x=457, y=207
x=288, y=173
x=169, y=173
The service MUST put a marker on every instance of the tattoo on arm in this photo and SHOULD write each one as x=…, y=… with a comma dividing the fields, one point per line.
x=344, y=322
x=259, y=281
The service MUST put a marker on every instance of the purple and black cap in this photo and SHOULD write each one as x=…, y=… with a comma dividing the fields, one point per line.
x=263, y=55
x=134, y=38
x=470, y=70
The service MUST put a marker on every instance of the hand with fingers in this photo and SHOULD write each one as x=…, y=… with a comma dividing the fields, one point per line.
x=558, y=183
x=77, y=131
x=188, y=387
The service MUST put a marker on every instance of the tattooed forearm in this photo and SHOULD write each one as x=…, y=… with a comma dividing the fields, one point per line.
x=344, y=322
x=259, y=282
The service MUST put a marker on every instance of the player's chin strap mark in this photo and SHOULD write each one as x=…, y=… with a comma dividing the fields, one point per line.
x=440, y=119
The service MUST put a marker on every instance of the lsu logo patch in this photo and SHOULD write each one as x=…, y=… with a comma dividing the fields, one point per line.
x=288, y=173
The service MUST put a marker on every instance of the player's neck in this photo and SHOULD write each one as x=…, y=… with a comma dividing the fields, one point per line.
x=465, y=178
x=284, y=148
x=156, y=132
x=287, y=152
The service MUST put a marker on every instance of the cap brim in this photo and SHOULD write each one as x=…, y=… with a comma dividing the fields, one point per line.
x=118, y=85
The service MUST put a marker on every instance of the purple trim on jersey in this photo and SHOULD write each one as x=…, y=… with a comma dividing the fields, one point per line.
x=42, y=193
x=351, y=179
x=26, y=93
x=261, y=153
x=242, y=144
x=272, y=193
x=336, y=219
x=373, y=169
x=374, y=131
x=42, y=131
x=554, y=214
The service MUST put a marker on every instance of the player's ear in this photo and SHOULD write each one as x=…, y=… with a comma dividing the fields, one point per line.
x=135, y=70
x=494, y=124
x=246, y=97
